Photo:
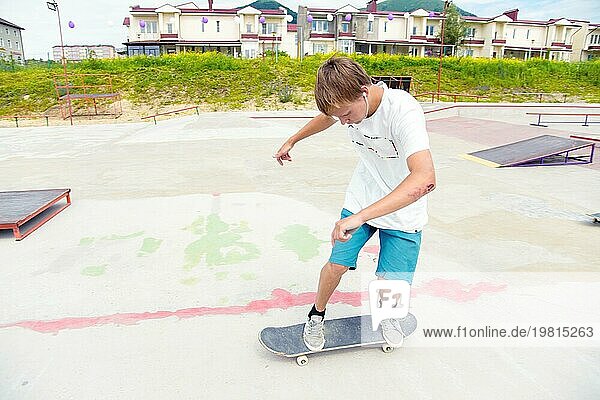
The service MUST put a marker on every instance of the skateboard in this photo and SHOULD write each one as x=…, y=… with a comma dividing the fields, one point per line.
x=340, y=333
x=596, y=217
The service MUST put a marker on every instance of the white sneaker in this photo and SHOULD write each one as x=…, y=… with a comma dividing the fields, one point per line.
x=392, y=333
x=313, y=335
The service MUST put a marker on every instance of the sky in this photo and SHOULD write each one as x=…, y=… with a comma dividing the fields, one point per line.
x=100, y=21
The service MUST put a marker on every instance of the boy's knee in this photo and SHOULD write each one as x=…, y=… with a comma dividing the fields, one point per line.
x=336, y=269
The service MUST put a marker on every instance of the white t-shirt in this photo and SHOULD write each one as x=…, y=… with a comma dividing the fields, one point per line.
x=384, y=141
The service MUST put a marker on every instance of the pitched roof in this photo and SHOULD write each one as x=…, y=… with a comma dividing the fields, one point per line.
x=5, y=22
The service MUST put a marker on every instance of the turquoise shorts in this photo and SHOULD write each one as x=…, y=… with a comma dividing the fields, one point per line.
x=398, y=253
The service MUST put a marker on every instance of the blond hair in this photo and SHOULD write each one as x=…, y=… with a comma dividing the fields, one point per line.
x=339, y=82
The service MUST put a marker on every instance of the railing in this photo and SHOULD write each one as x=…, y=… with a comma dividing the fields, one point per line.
x=16, y=118
x=394, y=82
x=455, y=96
x=540, y=95
x=171, y=112
x=586, y=121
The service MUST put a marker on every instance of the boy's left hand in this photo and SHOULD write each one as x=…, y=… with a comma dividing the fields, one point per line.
x=344, y=228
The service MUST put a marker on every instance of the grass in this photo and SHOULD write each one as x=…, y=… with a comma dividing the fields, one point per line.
x=226, y=83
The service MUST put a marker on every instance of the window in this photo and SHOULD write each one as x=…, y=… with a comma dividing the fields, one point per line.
x=385, y=26
x=8, y=43
x=1, y=42
x=346, y=46
x=429, y=30
x=370, y=27
x=15, y=32
x=7, y=31
x=248, y=29
x=16, y=45
x=218, y=26
x=414, y=30
x=269, y=28
x=320, y=26
x=527, y=37
x=151, y=27
x=319, y=48
x=514, y=33
x=169, y=28
x=345, y=27
x=469, y=52
x=471, y=32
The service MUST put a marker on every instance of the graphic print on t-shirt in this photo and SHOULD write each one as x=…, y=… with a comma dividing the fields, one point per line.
x=383, y=147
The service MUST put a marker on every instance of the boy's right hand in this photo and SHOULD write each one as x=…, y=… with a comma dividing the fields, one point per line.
x=284, y=153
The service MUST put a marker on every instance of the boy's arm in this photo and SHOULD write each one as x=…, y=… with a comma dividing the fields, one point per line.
x=315, y=125
x=419, y=182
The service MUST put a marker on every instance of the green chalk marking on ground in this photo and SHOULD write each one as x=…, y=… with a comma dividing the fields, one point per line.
x=219, y=244
x=96, y=270
x=300, y=240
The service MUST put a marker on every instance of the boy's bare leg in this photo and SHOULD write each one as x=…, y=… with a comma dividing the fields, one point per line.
x=328, y=281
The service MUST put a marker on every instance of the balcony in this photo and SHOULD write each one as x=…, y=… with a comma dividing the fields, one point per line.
x=271, y=38
x=418, y=37
x=561, y=45
x=473, y=41
x=250, y=36
x=322, y=35
x=346, y=34
x=169, y=35
x=499, y=41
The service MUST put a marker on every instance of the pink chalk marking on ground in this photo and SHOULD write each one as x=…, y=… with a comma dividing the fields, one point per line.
x=455, y=290
x=371, y=249
x=281, y=299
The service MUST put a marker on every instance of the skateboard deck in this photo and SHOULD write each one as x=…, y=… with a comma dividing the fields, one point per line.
x=341, y=333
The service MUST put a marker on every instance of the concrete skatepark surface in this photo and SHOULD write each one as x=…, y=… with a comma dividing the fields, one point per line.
x=186, y=238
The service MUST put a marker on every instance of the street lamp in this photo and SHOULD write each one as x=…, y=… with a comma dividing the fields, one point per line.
x=439, y=78
x=53, y=6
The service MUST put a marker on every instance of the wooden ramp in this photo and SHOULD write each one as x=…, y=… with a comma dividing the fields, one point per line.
x=19, y=207
x=537, y=151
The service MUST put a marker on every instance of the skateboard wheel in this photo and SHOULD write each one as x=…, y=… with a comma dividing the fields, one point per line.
x=387, y=349
x=302, y=360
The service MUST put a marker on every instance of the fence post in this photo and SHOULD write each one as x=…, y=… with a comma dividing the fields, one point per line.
x=17, y=121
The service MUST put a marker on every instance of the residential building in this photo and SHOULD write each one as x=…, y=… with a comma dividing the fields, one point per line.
x=369, y=31
x=250, y=32
x=508, y=36
x=350, y=30
x=83, y=52
x=11, y=42
x=246, y=32
x=586, y=42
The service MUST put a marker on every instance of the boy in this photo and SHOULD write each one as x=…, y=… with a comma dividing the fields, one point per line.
x=388, y=188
